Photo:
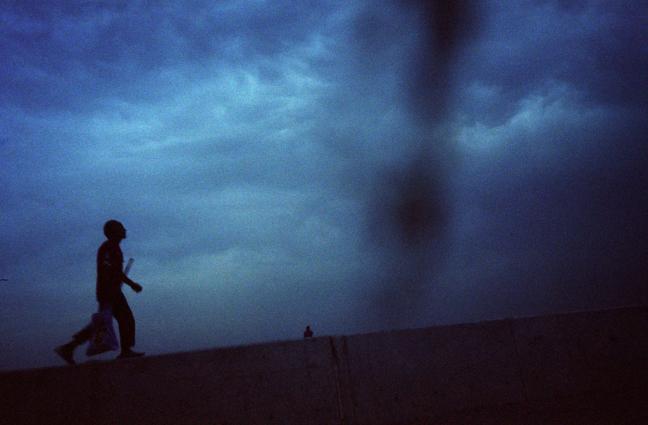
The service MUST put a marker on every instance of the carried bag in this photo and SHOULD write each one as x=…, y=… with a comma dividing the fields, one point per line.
x=103, y=336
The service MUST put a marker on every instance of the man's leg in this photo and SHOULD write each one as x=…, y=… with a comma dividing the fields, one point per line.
x=83, y=335
x=66, y=351
x=124, y=316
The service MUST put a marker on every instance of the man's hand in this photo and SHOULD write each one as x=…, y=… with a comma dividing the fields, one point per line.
x=136, y=287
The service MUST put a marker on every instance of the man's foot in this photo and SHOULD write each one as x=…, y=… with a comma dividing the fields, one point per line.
x=129, y=354
x=66, y=352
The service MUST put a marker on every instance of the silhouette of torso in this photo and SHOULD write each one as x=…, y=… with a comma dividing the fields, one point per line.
x=308, y=333
x=109, y=269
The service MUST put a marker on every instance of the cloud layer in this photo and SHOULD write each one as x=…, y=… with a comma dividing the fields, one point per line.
x=257, y=152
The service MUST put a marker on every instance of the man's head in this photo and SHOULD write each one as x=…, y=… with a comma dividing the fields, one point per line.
x=114, y=230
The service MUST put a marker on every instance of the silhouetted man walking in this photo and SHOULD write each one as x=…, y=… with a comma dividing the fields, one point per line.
x=110, y=277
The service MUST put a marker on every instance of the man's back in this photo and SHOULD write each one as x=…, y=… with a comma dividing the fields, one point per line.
x=109, y=269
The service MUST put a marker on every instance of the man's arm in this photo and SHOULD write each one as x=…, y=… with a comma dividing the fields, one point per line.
x=134, y=285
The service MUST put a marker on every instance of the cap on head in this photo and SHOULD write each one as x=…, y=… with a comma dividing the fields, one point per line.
x=113, y=229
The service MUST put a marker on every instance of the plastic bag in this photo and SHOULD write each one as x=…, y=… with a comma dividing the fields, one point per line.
x=103, y=336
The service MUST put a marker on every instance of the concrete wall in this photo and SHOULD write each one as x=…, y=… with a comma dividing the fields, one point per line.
x=578, y=368
x=575, y=368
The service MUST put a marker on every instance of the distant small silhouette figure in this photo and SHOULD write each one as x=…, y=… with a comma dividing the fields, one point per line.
x=110, y=276
x=308, y=333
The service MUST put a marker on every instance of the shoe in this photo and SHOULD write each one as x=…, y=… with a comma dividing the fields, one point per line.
x=129, y=354
x=66, y=352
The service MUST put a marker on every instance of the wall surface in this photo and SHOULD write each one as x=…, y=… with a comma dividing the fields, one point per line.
x=576, y=368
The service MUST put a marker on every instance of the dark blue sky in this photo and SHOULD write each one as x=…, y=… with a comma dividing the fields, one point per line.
x=260, y=155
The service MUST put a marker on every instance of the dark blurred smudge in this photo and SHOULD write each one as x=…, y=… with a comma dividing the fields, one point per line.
x=445, y=26
x=408, y=212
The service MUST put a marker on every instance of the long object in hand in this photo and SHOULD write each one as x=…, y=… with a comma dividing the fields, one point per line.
x=129, y=264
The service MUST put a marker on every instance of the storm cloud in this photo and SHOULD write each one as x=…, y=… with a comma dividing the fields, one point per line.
x=258, y=154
